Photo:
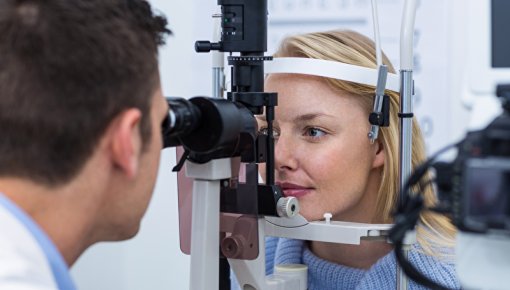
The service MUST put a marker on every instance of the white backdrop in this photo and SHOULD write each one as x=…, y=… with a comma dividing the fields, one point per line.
x=153, y=260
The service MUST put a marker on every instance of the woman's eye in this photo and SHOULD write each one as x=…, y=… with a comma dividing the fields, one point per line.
x=265, y=131
x=314, y=133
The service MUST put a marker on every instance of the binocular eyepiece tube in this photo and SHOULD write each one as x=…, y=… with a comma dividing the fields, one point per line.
x=208, y=127
x=183, y=118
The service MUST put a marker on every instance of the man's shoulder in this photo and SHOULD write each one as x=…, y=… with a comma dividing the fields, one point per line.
x=22, y=262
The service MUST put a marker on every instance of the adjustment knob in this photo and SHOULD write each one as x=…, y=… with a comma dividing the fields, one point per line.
x=206, y=46
x=287, y=207
x=233, y=246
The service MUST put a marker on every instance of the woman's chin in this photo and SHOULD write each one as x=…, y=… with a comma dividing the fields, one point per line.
x=312, y=216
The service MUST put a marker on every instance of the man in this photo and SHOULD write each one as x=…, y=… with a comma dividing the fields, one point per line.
x=80, y=131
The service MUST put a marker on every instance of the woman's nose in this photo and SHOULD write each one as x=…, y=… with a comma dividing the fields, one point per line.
x=285, y=154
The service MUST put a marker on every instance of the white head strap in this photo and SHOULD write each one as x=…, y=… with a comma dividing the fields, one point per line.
x=330, y=69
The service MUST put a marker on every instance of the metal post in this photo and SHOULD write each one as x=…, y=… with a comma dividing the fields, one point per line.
x=218, y=81
x=406, y=128
x=405, y=146
x=402, y=279
x=205, y=223
x=218, y=75
x=406, y=110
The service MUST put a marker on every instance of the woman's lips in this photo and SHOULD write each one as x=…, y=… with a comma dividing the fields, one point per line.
x=297, y=193
x=291, y=189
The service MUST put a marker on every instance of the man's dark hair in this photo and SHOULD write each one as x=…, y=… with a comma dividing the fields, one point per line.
x=67, y=68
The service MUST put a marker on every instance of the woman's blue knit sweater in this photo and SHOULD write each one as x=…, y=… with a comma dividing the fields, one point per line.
x=324, y=275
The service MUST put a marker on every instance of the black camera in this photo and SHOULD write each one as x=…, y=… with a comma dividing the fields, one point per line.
x=474, y=188
x=476, y=185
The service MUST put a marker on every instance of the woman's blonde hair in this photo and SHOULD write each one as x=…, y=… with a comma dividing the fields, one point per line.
x=353, y=48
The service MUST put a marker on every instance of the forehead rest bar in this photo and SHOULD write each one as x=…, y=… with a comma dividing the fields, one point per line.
x=330, y=69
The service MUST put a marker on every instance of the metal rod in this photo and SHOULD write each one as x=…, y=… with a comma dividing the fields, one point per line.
x=402, y=279
x=270, y=146
x=406, y=109
x=218, y=58
x=405, y=145
x=218, y=81
x=406, y=129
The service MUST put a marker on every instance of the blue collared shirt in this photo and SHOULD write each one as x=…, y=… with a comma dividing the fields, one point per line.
x=58, y=267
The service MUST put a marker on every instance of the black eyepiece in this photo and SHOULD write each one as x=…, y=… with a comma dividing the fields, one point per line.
x=183, y=118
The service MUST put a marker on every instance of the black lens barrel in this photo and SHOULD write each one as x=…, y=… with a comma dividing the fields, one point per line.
x=205, y=125
x=183, y=118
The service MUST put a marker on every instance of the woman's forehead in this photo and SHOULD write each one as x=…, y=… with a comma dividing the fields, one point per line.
x=303, y=85
x=281, y=80
x=299, y=91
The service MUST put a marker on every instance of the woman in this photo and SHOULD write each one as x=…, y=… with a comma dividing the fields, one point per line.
x=325, y=159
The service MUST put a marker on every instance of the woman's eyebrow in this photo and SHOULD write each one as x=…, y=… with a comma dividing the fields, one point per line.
x=300, y=118
x=310, y=117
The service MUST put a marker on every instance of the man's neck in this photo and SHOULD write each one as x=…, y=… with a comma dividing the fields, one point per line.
x=53, y=210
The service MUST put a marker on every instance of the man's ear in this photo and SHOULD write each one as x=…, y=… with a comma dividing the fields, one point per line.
x=126, y=141
x=380, y=154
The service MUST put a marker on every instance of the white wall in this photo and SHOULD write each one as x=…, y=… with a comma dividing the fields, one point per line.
x=153, y=260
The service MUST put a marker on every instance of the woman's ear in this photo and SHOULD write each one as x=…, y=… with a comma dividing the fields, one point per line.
x=380, y=154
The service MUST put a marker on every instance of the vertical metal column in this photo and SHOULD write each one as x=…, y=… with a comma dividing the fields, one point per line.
x=218, y=75
x=406, y=127
x=205, y=222
x=406, y=112
x=402, y=279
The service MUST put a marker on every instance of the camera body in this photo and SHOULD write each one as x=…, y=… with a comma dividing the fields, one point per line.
x=477, y=183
